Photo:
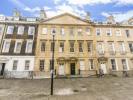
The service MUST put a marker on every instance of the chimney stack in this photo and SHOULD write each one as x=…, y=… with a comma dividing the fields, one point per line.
x=16, y=13
x=88, y=16
x=111, y=19
x=43, y=14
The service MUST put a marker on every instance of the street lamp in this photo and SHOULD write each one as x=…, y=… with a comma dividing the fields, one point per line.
x=52, y=67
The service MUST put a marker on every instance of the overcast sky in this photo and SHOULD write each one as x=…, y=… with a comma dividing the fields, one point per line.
x=99, y=9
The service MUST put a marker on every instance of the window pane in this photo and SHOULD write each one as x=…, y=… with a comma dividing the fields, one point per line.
x=20, y=30
x=29, y=47
x=27, y=64
x=10, y=29
x=80, y=47
x=71, y=46
x=98, y=32
x=127, y=33
x=91, y=64
x=43, y=46
x=15, y=63
x=113, y=63
x=124, y=63
x=18, y=47
x=61, y=48
x=6, y=46
x=89, y=45
x=41, y=65
x=31, y=31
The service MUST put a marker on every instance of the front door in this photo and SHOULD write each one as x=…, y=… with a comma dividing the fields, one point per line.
x=72, y=65
x=61, y=69
x=2, y=68
x=103, y=67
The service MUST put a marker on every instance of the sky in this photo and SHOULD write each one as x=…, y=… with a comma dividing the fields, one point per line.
x=98, y=9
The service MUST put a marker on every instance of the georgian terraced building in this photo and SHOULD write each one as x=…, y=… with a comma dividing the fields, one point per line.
x=18, y=40
x=82, y=46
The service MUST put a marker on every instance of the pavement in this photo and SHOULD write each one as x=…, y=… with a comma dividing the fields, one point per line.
x=108, y=88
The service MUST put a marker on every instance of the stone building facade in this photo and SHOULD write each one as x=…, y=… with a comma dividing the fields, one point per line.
x=82, y=47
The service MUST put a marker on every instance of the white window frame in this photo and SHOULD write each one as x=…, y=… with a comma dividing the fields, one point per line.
x=109, y=31
x=29, y=65
x=113, y=46
x=115, y=63
x=27, y=51
x=16, y=65
x=4, y=49
x=102, y=48
x=9, y=29
x=15, y=49
x=41, y=67
x=98, y=31
x=123, y=47
x=44, y=30
x=20, y=30
x=29, y=30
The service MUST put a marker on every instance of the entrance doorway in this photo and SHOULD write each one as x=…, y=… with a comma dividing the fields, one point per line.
x=61, y=69
x=103, y=67
x=72, y=66
x=2, y=68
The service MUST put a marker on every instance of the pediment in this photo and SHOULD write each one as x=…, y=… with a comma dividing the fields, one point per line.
x=66, y=19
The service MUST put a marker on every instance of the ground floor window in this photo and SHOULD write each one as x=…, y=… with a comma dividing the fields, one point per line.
x=15, y=63
x=27, y=64
x=91, y=64
x=124, y=63
x=113, y=63
x=42, y=65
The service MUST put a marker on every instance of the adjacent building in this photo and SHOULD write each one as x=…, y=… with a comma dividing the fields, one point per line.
x=17, y=43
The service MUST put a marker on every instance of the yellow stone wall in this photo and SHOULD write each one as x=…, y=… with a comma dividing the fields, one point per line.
x=67, y=21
